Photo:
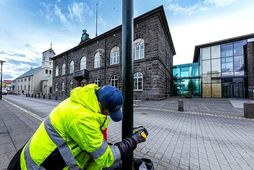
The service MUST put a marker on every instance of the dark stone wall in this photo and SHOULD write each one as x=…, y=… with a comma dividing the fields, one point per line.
x=155, y=67
x=250, y=68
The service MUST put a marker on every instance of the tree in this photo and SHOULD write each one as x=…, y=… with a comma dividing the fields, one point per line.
x=191, y=87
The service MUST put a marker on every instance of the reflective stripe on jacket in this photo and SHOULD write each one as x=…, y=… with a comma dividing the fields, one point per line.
x=71, y=134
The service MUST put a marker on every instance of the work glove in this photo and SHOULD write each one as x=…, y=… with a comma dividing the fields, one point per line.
x=129, y=144
x=139, y=134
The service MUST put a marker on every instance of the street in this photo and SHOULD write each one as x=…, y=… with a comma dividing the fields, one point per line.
x=177, y=140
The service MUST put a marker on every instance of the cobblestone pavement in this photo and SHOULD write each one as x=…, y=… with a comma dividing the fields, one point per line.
x=177, y=140
x=193, y=141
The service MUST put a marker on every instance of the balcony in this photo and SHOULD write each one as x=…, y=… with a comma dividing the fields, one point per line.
x=81, y=74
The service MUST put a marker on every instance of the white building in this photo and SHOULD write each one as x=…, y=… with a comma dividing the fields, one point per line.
x=37, y=80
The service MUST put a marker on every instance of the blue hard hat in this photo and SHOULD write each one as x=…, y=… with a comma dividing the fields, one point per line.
x=111, y=98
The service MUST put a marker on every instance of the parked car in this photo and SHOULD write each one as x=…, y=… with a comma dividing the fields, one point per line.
x=4, y=91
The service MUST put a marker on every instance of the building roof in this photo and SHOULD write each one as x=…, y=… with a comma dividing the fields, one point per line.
x=157, y=10
x=31, y=72
x=7, y=81
x=224, y=41
x=50, y=50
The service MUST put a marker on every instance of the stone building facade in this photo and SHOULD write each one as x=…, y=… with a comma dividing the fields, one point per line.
x=98, y=60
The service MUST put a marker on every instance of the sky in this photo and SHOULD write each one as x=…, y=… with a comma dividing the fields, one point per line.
x=28, y=27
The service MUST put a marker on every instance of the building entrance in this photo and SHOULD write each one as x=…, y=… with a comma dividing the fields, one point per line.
x=233, y=90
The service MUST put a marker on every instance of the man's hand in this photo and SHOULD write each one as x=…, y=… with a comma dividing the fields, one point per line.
x=139, y=134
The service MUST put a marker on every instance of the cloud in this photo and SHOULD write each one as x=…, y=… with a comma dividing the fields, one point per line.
x=219, y=3
x=12, y=54
x=195, y=32
x=63, y=19
x=79, y=10
x=199, y=6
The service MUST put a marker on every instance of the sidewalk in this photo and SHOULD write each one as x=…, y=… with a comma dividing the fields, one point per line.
x=15, y=130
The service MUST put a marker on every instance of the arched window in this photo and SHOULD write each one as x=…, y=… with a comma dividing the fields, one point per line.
x=63, y=69
x=63, y=86
x=71, y=84
x=57, y=71
x=138, y=81
x=114, y=81
x=56, y=87
x=97, y=60
x=83, y=63
x=114, y=55
x=97, y=81
x=139, y=49
x=71, y=67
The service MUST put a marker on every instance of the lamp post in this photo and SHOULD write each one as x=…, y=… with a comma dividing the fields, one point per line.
x=127, y=74
x=1, y=62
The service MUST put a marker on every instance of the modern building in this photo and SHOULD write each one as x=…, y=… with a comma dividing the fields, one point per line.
x=37, y=80
x=226, y=67
x=98, y=60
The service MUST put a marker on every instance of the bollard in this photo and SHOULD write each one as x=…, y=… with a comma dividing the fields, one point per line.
x=248, y=110
x=39, y=95
x=43, y=96
x=180, y=106
x=56, y=97
x=49, y=96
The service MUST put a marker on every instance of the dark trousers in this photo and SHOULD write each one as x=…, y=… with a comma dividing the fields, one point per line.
x=15, y=162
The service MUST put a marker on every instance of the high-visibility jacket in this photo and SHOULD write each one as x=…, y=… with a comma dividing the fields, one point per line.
x=72, y=129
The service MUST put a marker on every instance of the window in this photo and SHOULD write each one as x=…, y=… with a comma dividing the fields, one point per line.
x=114, y=55
x=46, y=71
x=227, y=50
x=63, y=69
x=97, y=59
x=30, y=77
x=205, y=53
x=138, y=81
x=57, y=71
x=49, y=71
x=71, y=84
x=71, y=67
x=114, y=81
x=83, y=63
x=63, y=86
x=97, y=81
x=139, y=49
x=56, y=87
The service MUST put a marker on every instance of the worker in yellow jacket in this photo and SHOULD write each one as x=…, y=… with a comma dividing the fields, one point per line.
x=71, y=138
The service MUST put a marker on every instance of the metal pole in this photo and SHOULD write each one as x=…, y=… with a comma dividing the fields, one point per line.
x=127, y=74
x=96, y=18
x=1, y=80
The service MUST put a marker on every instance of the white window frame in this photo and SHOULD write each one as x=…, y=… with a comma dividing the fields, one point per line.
x=137, y=76
x=71, y=84
x=83, y=63
x=71, y=67
x=57, y=71
x=139, y=49
x=114, y=55
x=56, y=87
x=97, y=60
x=97, y=81
x=63, y=86
x=63, y=69
x=114, y=81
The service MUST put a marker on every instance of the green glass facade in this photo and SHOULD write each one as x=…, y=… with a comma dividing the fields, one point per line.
x=186, y=79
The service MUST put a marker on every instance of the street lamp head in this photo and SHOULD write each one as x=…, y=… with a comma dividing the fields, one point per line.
x=2, y=61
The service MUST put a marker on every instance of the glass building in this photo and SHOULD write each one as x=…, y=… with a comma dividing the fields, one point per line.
x=186, y=79
x=225, y=68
